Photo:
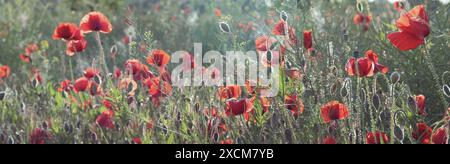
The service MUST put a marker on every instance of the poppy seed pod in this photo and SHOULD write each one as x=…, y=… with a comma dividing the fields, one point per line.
x=284, y=16
x=224, y=27
x=395, y=78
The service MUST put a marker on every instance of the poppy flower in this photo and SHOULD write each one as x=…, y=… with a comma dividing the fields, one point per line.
x=150, y=124
x=420, y=101
x=375, y=138
x=133, y=66
x=117, y=73
x=107, y=104
x=91, y=73
x=423, y=133
x=39, y=136
x=294, y=104
x=399, y=5
x=226, y=142
x=188, y=62
x=307, y=39
x=280, y=28
x=81, y=84
x=153, y=85
x=414, y=27
x=239, y=107
x=329, y=140
x=363, y=21
x=333, y=111
x=65, y=86
x=137, y=140
x=361, y=67
x=158, y=58
x=94, y=88
x=264, y=43
x=218, y=12
x=95, y=22
x=440, y=136
x=378, y=67
x=67, y=32
x=25, y=58
x=104, y=120
x=31, y=48
x=5, y=71
x=75, y=46
x=229, y=92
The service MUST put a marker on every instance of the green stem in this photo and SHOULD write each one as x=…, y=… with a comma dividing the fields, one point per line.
x=435, y=77
x=102, y=54
x=71, y=69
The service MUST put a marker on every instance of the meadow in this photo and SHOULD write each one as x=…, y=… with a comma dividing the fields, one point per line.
x=346, y=72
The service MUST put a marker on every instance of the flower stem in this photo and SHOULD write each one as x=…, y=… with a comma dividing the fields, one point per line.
x=435, y=77
x=102, y=54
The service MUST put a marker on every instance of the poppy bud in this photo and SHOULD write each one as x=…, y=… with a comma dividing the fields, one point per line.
x=356, y=54
x=412, y=104
x=224, y=27
x=113, y=51
x=395, y=78
x=284, y=16
x=94, y=137
x=45, y=125
x=360, y=7
x=446, y=90
x=376, y=101
x=2, y=95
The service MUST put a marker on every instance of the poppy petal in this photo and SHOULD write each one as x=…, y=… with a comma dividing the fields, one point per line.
x=405, y=41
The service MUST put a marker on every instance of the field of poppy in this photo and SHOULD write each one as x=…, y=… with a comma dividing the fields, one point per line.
x=340, y=72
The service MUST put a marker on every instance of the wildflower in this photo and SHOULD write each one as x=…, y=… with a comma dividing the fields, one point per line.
x=414, y=28
x=440, y=136
x=420, y=102
x=423, y=133
x=329, y=140
x=334, y=111
x=67, y=32
x=104, y=120
x=5, y=71
x=294, y=104
x=75, y=46
x=95, y=22
x=376, y=138
x=39, y=136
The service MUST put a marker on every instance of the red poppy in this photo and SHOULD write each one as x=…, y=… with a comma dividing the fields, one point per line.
x=133, y=66
x=280, y=28
x=81, y=84
x=95, y=22
x=264, y=43
x=361, y=18
x=36, y=76
x=422, y=133
x=414, y=28
x=75, y=46
x=239, y=107
x=399, y=5
x=39, y=136
x=158, y=58
x=375, y=138
x=67, y=32
x=229, y=92
x=378, y=67
x=31, y=48
x=104, y=120
x=107, y=104
x=25, y=58
x=94, y=88
x=218, y=12
x=5, y=71
x=153, y=85
x=65, y=86
x=440, y=136
x=366, y=67
x=329, y=140
x=137, y=140
x=294, y=104
x=420, y=102
x=91, y=73
x=334, y=111
x=307, y=39
x=226, y=142
x=117, y=73
x=363, y=21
